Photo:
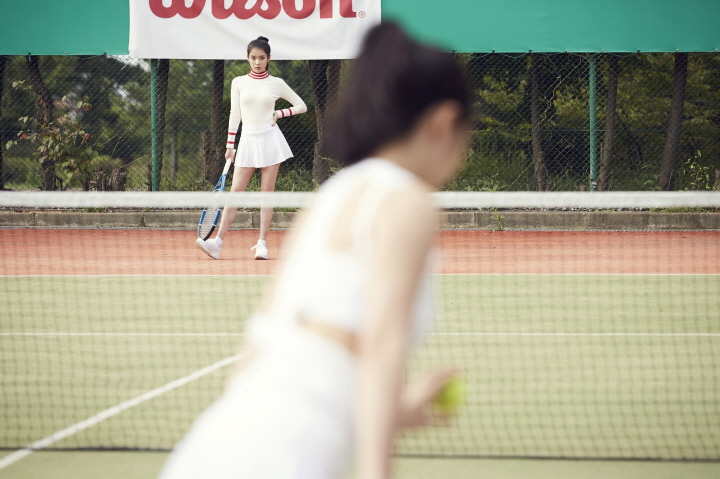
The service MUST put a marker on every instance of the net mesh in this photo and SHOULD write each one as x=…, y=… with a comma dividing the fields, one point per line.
x=585, y=325
x=532, y=127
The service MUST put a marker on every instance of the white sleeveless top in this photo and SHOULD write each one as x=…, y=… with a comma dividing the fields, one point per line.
x=331, y=286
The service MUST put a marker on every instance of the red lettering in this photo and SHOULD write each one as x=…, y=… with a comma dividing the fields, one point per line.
x=176, y=7
x=346, y=10
x=240, y=9
x=308, y=6
x=326, y=8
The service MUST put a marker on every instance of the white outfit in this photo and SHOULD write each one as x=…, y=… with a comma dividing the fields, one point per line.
x=290, y=414
x=252, y=101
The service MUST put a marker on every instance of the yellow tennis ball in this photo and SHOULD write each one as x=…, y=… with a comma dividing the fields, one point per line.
x=450, y=397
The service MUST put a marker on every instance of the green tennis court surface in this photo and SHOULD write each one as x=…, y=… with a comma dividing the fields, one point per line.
x=558, y=366
x=146, y=465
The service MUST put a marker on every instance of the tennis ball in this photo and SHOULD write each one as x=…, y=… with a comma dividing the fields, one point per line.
x=450, y=397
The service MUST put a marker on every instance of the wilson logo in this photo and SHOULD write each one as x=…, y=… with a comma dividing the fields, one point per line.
x=267, y=9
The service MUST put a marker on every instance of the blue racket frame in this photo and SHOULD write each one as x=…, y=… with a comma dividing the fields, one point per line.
x=207, y=214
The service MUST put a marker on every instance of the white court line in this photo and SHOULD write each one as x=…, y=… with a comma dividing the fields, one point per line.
x=110, y=412
x=464, y=333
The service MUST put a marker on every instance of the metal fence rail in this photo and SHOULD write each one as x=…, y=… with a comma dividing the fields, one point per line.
x=556, y=122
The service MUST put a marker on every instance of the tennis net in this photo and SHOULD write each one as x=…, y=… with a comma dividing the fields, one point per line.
x=585, y=325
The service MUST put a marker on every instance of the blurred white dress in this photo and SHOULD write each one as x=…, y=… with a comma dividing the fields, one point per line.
x=290, y=413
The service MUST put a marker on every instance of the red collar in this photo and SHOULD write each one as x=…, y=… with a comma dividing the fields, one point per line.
x=258, y=76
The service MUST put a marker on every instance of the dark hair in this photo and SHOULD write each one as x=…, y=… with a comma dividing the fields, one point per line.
x=392, y=83
x=260, y=43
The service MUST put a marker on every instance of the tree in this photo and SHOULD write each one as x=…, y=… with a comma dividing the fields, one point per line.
x=43, y=115
x=212, y=147
x=607, y=148
x=539, y=168
x=3, y=60
x=325, y=79
x=672, y=139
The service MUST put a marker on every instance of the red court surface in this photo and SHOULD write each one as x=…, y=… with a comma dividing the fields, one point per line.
x=163, y=252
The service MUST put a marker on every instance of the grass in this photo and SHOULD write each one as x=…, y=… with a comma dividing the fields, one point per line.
x=544, y=378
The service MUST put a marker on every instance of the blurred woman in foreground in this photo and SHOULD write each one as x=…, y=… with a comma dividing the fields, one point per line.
x=323, y=387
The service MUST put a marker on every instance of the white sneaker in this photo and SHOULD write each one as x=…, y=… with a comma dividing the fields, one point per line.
x=261, y=251
x=209, y=247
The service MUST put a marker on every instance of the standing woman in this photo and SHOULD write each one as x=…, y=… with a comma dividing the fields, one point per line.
x=262, y=144
x=322, y=385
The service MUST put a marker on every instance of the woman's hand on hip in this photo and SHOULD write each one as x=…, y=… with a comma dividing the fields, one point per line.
x=275, y=118
x=230, y=154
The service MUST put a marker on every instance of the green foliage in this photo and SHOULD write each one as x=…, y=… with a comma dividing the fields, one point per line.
x=64, y=142
x=694, y=175
x=500, y=154
x=643, y=178
x=289, y=179
x=494, y=163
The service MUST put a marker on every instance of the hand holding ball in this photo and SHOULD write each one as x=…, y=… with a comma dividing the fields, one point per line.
x=450, y=397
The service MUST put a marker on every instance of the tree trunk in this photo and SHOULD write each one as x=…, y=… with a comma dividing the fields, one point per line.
x=214, y=151
x=163, y=80
x=539, y=168
x=632, y=143
x=3, y=60
x=43, y=117
x=173, y=151
x=325, y=78
x=608, y=141
x=672, y=140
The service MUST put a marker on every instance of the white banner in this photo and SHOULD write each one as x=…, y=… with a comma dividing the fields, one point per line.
x=221, y=29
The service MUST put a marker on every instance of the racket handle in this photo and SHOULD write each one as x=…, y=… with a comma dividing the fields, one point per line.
x=227, y=166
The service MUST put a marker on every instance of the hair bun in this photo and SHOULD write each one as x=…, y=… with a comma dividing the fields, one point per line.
x=264, y=39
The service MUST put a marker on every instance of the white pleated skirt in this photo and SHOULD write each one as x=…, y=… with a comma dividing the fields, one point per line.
x=288, y=415
x=262, y=145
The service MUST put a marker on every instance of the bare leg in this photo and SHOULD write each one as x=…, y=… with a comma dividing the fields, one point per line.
x=267, y=183
x=241, y=178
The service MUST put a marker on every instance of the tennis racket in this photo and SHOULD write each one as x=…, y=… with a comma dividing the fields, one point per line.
x=210, y=217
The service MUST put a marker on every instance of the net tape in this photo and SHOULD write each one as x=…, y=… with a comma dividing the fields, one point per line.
x=695, y=199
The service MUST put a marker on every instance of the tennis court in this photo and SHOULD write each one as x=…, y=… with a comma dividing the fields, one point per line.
x=590, y=354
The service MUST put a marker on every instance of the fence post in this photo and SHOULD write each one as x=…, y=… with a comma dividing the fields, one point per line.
x=592, y=111
x=155, y=178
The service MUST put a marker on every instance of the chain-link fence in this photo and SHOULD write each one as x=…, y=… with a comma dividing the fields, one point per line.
x=85, y=122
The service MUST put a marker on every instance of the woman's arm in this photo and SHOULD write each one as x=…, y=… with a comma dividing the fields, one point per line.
x=402, y=235
x=298, y=106
x=235, y=115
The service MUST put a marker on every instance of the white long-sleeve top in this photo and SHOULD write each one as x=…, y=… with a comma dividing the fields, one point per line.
x=252, y=101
